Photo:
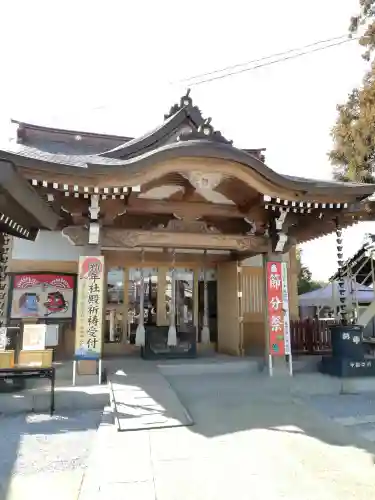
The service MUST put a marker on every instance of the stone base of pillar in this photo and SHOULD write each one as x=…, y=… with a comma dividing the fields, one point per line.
x=140, y=335
x=205, y=335
x=172, y=336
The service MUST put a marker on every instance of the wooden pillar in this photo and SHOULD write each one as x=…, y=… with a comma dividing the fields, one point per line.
x=125, y=316
x=293, y=284
x=140, y=332
x=161, y=310
x=172, y=333
x=196, y=301
x=205, y=334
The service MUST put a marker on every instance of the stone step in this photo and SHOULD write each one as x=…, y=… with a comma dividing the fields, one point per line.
x=205, y=367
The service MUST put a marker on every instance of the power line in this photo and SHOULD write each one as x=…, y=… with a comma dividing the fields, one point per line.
x=253, y=61
x=269, y=63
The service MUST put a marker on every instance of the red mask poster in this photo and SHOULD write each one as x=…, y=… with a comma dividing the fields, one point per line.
x=275, y=309
x=42, y=296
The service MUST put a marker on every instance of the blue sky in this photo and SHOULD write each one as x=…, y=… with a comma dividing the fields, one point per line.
x=108, y=67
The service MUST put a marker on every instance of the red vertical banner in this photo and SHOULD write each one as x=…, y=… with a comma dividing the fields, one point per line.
x=275, y=309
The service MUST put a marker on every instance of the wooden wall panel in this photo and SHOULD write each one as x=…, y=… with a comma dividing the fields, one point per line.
x=253, y=282
x=228, y=309
x=43, y=266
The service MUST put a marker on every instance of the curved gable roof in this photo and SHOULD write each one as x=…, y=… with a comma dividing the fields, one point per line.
x=184, y=133
x=183, y=119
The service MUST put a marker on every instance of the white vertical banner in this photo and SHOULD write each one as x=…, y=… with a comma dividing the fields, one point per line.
x=287, y=342
x=90, y=304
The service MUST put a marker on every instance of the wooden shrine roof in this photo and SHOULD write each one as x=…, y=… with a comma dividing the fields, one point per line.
x=56, y=164
x=22, y=211
x=184, y=133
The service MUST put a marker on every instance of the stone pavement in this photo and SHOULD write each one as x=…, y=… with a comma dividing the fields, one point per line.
x=45, y=456
x=252, y=439
x=355, y=411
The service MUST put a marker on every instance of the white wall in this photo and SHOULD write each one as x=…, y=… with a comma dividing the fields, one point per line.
x=49, y=245
x=257, y=260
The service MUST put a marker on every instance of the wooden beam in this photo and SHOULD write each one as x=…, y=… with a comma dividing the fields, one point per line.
x=120, y=238
x=164, y=259
x=198, y=209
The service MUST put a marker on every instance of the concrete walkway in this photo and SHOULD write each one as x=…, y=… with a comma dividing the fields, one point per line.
x=252, y=438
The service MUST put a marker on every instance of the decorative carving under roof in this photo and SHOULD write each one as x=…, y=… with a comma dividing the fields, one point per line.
x=113, y=237
x=183, y=226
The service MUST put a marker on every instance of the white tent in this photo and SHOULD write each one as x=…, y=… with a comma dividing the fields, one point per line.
x=329, y=295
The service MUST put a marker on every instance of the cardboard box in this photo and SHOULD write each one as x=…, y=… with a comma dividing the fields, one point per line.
x=37, y=359
x=6, y=359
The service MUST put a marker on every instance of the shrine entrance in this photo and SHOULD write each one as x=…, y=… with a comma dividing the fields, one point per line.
x=161, y=309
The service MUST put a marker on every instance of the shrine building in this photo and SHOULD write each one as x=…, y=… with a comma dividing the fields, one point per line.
x=186, y=223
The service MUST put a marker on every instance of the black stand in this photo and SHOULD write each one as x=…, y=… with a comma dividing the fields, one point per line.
x=156, y=345
x=26, y=373
x=348, y=354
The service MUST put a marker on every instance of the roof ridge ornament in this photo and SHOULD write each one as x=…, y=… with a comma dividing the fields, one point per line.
x=203, y=128
x=185, y=102
x=204, y=131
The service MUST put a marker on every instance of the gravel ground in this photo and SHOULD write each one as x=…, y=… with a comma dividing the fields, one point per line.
x=32, y=445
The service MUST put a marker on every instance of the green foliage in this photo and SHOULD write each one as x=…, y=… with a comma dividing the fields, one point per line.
x=353, y=154
x=305, y=281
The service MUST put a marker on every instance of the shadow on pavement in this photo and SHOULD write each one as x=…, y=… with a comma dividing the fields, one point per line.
x=33, y=443
x=223, y=404
x=220, y=404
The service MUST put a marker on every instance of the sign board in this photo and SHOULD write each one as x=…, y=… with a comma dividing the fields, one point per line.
x=52, y=335
x=3, y=338
x=34, y=337
x=42, y=296
x=284, y=280
x=275, y=316
x=90, y=303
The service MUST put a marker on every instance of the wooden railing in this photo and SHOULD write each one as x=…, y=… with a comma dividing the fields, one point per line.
x=310, y=336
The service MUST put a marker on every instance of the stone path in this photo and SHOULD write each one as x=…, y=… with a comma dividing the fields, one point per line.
x=252, y=439
x=144, y=399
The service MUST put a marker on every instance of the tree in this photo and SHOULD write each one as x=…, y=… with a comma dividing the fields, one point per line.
x=305, y=281
x=353, y=154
